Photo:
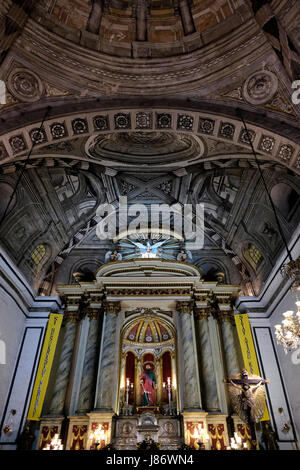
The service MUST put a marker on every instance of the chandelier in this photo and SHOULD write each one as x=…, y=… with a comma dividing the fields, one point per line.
x=291, y=271
x=288, y=334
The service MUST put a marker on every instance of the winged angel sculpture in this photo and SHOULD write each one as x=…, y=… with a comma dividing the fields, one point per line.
x=248, y=396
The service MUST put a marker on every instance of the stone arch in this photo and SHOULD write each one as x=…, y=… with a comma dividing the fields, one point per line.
x=269, y=144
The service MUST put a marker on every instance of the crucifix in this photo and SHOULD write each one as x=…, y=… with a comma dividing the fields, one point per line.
x=248, y=398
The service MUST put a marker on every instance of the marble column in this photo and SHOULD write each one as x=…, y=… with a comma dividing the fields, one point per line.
x=231, y=355
x=191, y=397
x=94, y=21
x=88, y=379
x=207, y=365
x=65, y=363
x=141, y=20
x=104, y=399
x=186, y=17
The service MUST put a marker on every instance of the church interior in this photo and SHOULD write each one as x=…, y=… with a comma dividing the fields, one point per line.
x=129, y=115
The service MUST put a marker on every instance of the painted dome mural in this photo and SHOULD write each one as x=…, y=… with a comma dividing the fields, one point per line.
x=148, y=330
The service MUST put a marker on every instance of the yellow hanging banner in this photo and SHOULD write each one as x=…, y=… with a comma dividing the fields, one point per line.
x=44, y=368
x=248, y=350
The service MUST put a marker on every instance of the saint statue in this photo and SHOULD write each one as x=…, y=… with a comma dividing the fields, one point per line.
x=248, y=396
x=268, y=437
x=26, y=438
x=148, y=384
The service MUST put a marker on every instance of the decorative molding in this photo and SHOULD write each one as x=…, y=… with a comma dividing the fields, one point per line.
x=260, y=87
x=61, y=132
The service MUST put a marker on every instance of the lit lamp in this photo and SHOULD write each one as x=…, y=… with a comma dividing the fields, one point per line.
x=203, y=437
x=127, y=390
x=55, y=444
x=288, y=334
x=97, y=436
x=236, y=443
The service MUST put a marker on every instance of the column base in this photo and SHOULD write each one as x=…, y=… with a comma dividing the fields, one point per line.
x=77, y=432
x=244, y=432
x=193, y=421
x=97, y=419
x=49, y=426
x=218, y=431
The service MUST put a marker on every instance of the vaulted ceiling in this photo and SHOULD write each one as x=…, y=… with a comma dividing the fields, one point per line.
x=95, y=112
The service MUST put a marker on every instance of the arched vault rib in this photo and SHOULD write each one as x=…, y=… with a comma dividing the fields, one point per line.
x=85, y=231
x=205, y=129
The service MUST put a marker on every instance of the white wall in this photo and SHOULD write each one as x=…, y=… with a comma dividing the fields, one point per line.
x=23, y=319
x=11, y=331
x=290, y=364
x=264, y=312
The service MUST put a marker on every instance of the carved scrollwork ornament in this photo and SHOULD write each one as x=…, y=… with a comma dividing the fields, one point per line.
x=25, y=85
x=260, y=87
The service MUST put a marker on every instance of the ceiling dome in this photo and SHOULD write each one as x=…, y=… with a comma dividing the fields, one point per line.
x=148, y=330
x=121, y=24
x=138, y=147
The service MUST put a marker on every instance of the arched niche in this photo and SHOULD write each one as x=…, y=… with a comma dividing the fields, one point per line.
x=148, y=342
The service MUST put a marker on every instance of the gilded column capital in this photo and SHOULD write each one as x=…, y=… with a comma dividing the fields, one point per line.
x=71, y=316
x=112, y=308
x=202, y=313
x=72, y=309
x=226, y=316
x=93, y=313
x=185, y=307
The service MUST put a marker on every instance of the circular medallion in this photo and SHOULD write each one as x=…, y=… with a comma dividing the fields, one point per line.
x=260, y=87
x=25, y=85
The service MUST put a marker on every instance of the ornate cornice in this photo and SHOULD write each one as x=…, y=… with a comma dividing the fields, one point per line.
x=126, y=75
x=140, y=292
